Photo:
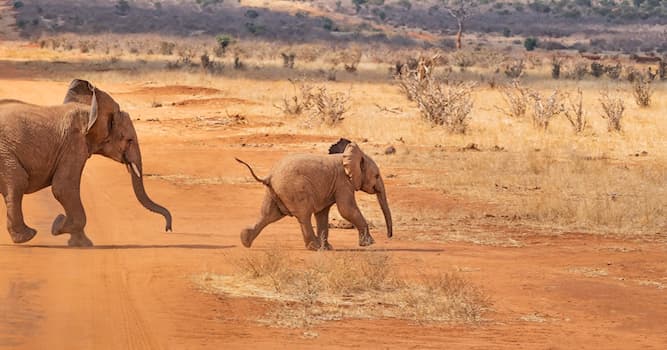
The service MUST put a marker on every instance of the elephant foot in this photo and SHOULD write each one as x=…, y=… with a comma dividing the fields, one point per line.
x=79, y=241
x=366, y=240
x=313, y=245
x=58, y=223
x=326, y=246
x=246, y=238
x=23, y=235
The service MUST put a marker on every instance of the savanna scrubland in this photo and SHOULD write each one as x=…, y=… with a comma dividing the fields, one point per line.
x=525, y=174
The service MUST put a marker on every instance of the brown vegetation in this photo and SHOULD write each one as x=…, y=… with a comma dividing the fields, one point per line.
x=339, y=286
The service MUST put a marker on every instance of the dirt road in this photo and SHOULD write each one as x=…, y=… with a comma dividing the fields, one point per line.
x=135, y=289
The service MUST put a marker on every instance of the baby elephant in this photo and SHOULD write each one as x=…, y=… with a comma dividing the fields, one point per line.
x=301, y=185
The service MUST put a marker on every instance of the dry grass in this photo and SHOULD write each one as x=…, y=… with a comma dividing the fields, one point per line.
x=516, y=98
x=329, y=107
x=301, y=99
x=575, y=113
x=332, y=286
x=613, y=107
x=545, y=108
x=440, y=102
x=642, y=91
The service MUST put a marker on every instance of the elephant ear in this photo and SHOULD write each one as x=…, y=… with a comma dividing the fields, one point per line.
x=92, y=117
x=82, y=91
x=339, y=146
x=353, y=160
x=79, y=91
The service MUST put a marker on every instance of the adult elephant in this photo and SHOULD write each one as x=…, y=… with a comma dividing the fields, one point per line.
x=301, y=185
x=43, y=146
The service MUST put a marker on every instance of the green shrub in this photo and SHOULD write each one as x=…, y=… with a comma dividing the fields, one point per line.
x=406, y=4
x=122, y=8
x=255, y=28
x=328, y=23
x=224, y=40
x=597, y=69
x=530, y=43
x=252, y=14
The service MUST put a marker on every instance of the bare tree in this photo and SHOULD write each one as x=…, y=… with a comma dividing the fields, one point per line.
x=461, y=10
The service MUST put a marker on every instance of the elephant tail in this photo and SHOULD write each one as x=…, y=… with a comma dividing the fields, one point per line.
x=252, y=172
x=281, y=206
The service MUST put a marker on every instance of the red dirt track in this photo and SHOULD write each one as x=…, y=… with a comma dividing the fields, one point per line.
x=135, y=289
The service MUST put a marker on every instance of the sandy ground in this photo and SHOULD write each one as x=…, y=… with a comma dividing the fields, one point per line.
x=136, y=288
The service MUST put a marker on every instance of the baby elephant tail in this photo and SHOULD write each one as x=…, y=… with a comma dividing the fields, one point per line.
x=252, y=172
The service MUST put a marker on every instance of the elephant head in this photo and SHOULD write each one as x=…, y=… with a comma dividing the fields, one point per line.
x=110, y=132
x=364, y=175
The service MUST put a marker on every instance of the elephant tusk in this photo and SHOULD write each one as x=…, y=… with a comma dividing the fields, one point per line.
x=135, y=169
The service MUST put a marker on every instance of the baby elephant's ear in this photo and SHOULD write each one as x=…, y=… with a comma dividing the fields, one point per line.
x=339, y=146
x=353, y=160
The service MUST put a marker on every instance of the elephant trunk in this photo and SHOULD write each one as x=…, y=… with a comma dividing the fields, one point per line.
x=133, y=159
x=382, y=199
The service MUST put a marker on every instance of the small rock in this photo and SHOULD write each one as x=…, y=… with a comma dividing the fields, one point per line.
x=471, y=147
x=390, y=150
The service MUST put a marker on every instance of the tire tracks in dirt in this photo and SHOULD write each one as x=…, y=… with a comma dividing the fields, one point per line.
x=72, y=298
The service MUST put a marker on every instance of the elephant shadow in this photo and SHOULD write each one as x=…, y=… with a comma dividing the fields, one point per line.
x=130, y=246
x=386, y=250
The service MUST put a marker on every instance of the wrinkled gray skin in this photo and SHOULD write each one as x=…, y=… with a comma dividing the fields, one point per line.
x=43, y=146
x=302, y=185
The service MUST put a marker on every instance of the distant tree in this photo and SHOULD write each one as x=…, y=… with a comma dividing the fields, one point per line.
x=530, y=43
x=122, y=8
x=328, y=24
x=461, y=10
x=358, y=4
x=405, y=3
x=223, y=41
x=205, y=3
x=252, y=14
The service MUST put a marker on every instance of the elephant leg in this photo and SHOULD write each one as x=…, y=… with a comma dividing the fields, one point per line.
x=350, y=212
x=18, y=230
x=66, y=190
x=269, y=213
x=322, y=219
x=309, y=238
